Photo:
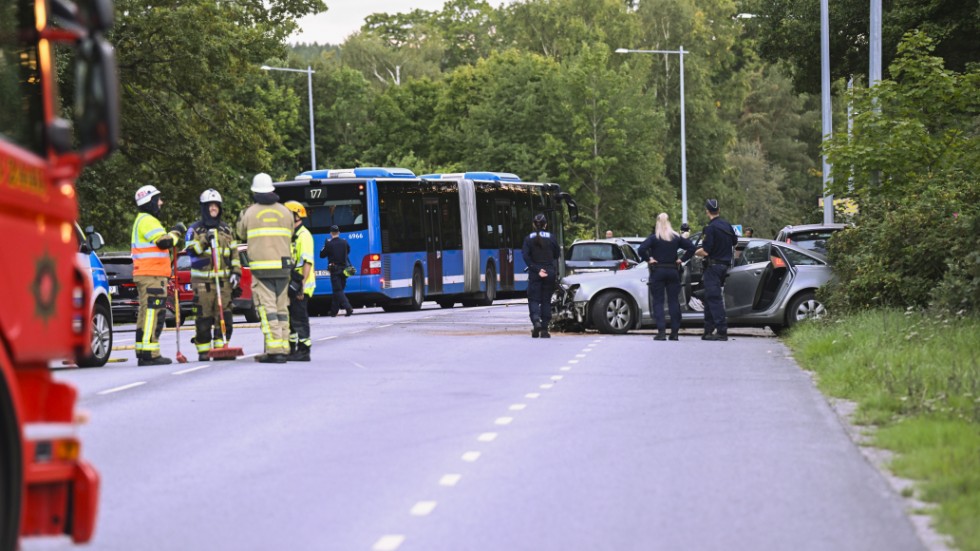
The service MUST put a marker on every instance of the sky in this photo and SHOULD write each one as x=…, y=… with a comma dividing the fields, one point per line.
x=344, y=17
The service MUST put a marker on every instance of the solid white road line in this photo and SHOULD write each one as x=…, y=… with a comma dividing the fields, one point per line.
x=471, y=456
x=422, y=508
x=487, y=437
x=190, y=369
x=120, y=388
x=327, y=338
x=388, y=543
x=385, y=325
x=450, y=480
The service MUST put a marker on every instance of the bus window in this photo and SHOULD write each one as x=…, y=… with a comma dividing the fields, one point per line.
x=342, y=205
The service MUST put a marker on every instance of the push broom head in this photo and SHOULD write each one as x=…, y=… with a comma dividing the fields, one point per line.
x=225, y=353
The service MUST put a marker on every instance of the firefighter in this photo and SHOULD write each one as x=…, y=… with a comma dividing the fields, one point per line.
x=200, y=236
x=302, y=283
x=151, y=249
x=267, y=227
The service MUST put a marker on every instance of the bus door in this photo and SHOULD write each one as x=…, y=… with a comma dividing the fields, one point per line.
x=433, y=244
x=506, y=243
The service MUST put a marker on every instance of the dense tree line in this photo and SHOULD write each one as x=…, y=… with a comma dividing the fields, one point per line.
x=534, y=87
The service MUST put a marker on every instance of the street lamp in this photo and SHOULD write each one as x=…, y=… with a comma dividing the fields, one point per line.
x=309, y=81
x=680, y=52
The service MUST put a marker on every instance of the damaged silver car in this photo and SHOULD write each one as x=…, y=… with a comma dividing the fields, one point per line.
x=770, y=284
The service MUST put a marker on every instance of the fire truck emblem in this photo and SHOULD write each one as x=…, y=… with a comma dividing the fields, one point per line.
x=45, y=287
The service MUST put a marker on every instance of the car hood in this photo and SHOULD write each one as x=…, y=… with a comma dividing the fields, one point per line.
x=590, y=277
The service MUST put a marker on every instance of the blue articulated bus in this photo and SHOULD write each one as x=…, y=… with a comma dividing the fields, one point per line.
x=448, y=238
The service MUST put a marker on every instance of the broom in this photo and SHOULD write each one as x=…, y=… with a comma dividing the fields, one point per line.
x=180, y=357
x=225, y=352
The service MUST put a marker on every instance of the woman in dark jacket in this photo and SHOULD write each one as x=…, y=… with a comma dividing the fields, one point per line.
x=540, y=252
x=660, y=252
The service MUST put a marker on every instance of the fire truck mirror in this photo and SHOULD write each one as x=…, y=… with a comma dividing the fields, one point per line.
x=97, y=15
x=97, y=97
x=59, y=135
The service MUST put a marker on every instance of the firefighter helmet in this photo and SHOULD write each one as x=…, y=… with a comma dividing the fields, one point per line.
x=145, y=193
x=210, y=196
x=296, y=207
x=262, y=183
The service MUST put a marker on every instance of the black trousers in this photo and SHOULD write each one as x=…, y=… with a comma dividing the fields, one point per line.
x=714, y=302
x=539, y=291
x=299, y=322
x=669, y=280
x=338, y=282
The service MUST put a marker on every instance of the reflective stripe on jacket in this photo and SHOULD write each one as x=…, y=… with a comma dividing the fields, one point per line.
x=148, y=259
x=303, y=254
x=268, y=230
x=199, y=249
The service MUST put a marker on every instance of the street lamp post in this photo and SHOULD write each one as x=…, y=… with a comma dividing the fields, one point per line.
x=309, y=81
x=680, y=52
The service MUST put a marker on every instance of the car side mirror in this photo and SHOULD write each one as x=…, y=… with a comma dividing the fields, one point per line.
x=95, y=240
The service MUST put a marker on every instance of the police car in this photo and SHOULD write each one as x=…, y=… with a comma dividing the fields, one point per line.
x=90, y=241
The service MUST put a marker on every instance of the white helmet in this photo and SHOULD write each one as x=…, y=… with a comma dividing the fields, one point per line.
x=144, y=194
x=262, y=183
x=210, y=196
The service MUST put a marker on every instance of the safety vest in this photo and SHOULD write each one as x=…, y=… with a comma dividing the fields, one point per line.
x=148, y=259
x=303, y=254
x=268, y=230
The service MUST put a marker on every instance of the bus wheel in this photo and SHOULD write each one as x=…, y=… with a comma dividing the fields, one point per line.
x=10, y=470
x=418, y=291
x=491, y=290
x=446, y=304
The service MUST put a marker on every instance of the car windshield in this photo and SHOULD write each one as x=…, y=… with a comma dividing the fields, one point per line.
x=594, y=252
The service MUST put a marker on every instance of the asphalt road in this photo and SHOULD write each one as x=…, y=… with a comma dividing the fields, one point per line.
x=454, y=430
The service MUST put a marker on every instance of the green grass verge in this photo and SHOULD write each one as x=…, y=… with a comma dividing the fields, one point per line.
x=917, y=378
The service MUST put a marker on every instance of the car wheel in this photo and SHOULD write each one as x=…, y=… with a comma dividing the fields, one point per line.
x=613, y=313
x=101, y=338
x=490, y=294
x=11, y=470
x=804, y=306
x=251, y=316
x=418, y=291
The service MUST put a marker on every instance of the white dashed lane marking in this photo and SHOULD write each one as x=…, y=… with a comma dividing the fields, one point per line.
x=423, y=508
x=503, y=420
x=517, y=407
x=470, y=457
x=388, y=543
x=487, y=437
x=547, y=386
x=450, y=480
x=532, y=395
x=190, y=369
x=121, y=388
x=557, y=377
x=327, y=338
x=566, y=368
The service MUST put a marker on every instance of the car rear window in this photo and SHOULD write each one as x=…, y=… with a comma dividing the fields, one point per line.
x=595, y=252
x=799, y=259
x=118, y=267
x=811, y=239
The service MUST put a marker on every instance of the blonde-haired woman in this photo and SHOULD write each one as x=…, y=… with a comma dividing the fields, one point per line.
x=660, y=252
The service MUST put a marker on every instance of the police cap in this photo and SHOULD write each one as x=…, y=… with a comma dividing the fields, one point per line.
x=711, y=205
x=335, y=229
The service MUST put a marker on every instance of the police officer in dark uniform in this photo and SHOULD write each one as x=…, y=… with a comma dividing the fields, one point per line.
x=660, y=252
x=540, y=253
x=336, y=251
x=718, y=247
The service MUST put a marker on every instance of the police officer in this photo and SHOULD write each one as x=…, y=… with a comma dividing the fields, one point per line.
x=685, y=230
x=200, y=237
x=150, y=249
x=302, y=283
x=660, y=251
x=540, y=252
x=336, y=252
x=267, y=227
x=718, y=247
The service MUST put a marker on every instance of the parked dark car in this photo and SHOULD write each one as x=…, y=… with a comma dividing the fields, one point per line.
x=812, y=237
x=125, y=298
x=243, y=303
x=599, y=255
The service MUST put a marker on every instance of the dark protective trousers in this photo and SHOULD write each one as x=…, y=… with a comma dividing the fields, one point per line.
x=299, y=322
x=668, y=279
x=206, y=321
x=714, y=301
x=338, y=282
x=539, y=291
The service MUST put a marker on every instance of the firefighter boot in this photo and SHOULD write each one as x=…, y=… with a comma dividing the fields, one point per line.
x=301, y=354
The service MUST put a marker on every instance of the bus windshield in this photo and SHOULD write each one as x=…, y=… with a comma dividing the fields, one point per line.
x=339, y=204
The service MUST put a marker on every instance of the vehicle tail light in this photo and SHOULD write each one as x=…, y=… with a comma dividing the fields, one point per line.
x=789, y=241
x=371, y=264
x=777, y=262
x=622, y=265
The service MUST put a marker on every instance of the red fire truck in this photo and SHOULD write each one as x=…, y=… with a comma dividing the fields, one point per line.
x=45, y=140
